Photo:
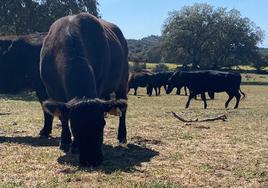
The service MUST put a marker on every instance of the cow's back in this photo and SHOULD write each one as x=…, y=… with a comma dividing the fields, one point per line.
x=138, y=79
x=118, y=69
x=77, y=53
x=208, y=80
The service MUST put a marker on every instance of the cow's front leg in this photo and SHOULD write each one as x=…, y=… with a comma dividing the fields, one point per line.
x=135, y=90
x=191, y=96
x=156, y=92
x=203, y=97
x=231, y=96
x=66, y=139
x=47, y=129
x=178, y=92
x=237, y=96
x=185, y=90
x=122, y=130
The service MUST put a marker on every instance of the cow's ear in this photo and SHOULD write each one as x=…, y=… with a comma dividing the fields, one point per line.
x=114, y=107
x=58, y=109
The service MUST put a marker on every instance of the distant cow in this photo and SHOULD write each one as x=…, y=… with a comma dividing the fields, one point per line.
x=84, y=58
x=200, y=82
x=19, y=69
x=158, y=80
x=138, y=79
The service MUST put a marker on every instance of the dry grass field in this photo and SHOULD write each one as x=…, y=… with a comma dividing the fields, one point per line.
x=162, y=152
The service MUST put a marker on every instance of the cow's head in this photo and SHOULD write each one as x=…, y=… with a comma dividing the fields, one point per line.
x=87, y=121
x=175, y=81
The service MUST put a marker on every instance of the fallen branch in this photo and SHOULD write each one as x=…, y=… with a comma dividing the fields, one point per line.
x=2, y=114
x=222, y=117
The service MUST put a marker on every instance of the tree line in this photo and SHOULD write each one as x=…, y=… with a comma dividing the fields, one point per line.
x=198, y=36
x=204, y=37
x=18, y=17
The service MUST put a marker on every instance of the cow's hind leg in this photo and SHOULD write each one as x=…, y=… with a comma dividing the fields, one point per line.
x=66, y=139
x=203, y=97
x=47, y=129
x=122, y=131
x=135, y=90
x=191, y=96
x=156, y=92
x=231, y=96
x=237, y=96
x=185, y=90
x=178, y=92
x=211, y=95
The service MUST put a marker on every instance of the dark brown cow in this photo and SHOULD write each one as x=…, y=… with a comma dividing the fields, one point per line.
x=84, y=58
x=138, y=79
x=19, y=69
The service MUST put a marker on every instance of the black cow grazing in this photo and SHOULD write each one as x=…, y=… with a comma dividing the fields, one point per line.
x=138, y=79
x=84, y=58
x=19, y=64
x=19, y=70
x=158, y=80
x=200, y=82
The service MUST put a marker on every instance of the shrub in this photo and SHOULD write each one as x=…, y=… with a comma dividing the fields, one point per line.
x=160, y=68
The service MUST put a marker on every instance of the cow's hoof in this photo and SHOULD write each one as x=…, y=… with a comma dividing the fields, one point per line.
x=65, y=147
x=123, y=141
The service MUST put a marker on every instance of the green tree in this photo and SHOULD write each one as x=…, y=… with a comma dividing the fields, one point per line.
x=259, y=62
x=26, y=16
x=201, y=35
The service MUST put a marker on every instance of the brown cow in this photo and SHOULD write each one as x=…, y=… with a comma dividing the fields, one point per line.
x=84, y=58
x=138, y=79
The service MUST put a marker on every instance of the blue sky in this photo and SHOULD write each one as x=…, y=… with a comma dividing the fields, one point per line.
x=141, y=18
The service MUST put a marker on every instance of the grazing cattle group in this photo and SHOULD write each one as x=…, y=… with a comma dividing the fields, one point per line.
x=77, y=66
x=200, y=82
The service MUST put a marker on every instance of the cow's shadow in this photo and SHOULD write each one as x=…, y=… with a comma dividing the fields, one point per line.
x=123, y=158
x=116, y=158
x=31, y=141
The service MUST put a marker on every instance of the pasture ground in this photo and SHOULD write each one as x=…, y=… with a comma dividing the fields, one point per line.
x=161, y=151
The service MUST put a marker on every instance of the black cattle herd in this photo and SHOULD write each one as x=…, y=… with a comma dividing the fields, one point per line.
x=77, y=66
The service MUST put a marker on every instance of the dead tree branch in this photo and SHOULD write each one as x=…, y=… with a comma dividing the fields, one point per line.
x=221, y=117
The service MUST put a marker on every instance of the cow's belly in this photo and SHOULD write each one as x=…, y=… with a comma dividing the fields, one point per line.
x=208, y=87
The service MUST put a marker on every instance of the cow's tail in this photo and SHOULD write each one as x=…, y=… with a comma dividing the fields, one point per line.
x=244, y=95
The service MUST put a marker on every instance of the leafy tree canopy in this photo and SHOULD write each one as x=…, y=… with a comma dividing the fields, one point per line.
x=208, y=37
x=27, y=16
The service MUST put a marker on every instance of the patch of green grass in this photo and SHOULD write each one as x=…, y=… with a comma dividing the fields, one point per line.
x=187, y=136
x=206, y=167
x=8, y=184
x=247, y=173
